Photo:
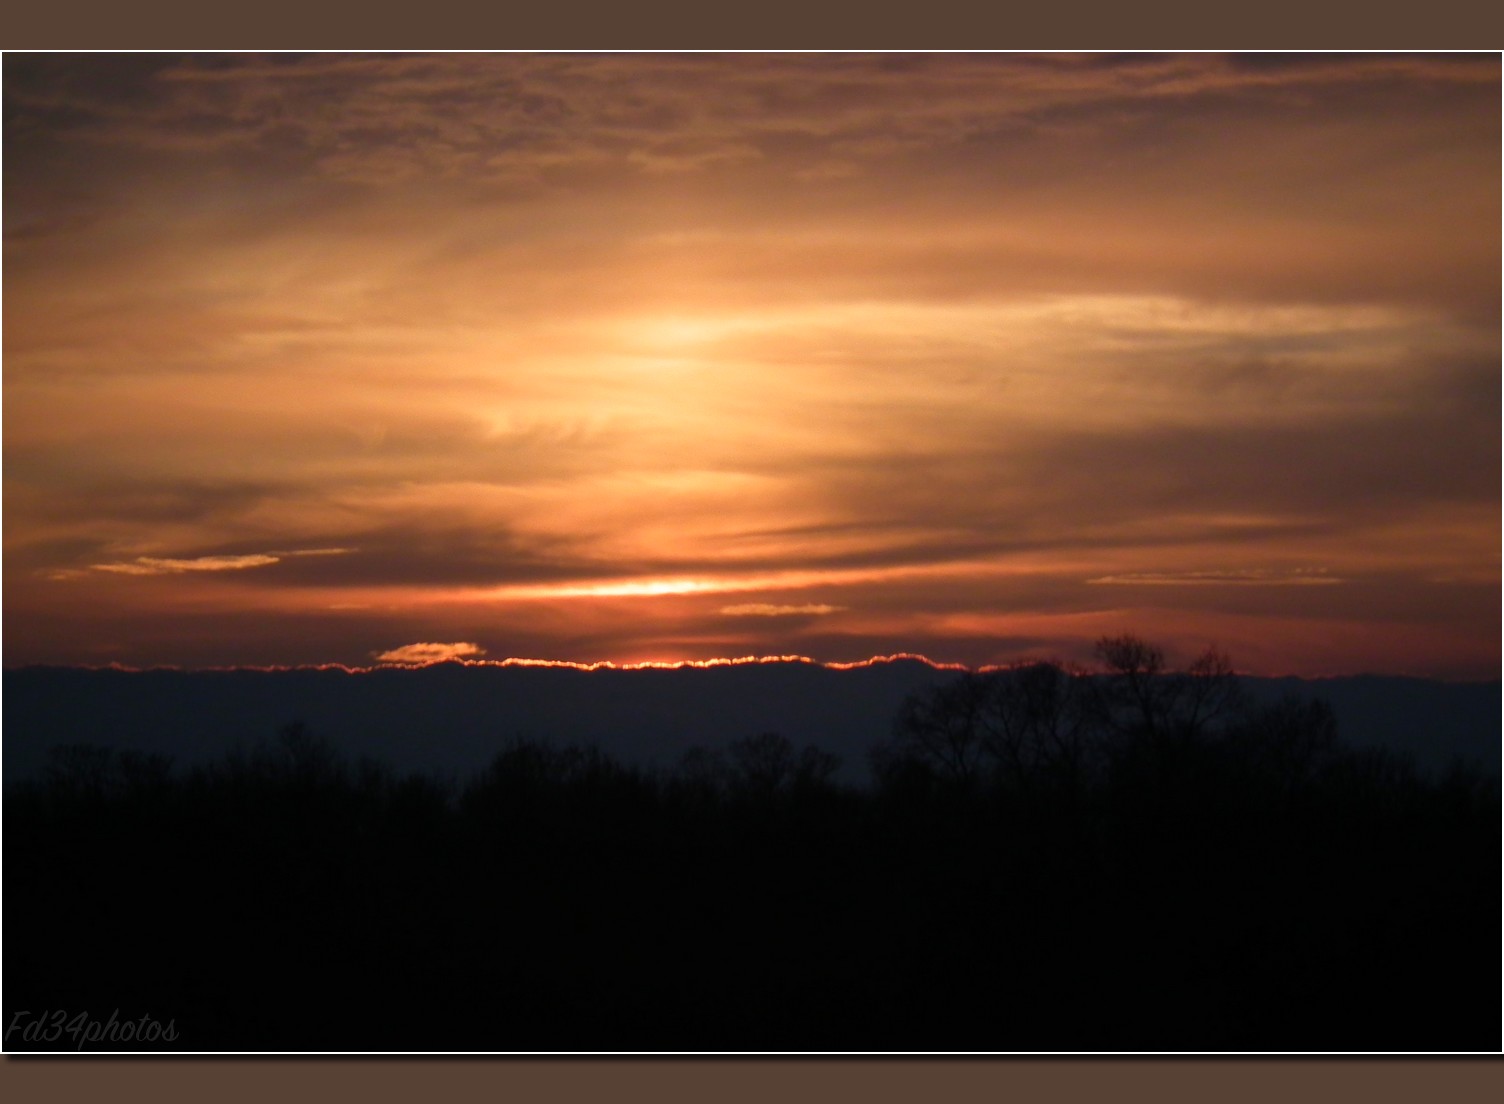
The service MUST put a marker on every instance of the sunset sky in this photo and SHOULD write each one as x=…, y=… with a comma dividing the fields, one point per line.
x=320, y=358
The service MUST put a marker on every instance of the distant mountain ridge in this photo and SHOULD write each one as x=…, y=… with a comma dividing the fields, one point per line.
x=451, y=718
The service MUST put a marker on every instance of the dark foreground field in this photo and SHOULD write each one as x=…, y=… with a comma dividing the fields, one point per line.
x=1116, y=877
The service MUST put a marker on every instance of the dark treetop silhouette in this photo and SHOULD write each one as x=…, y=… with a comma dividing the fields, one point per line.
x=1126, y=859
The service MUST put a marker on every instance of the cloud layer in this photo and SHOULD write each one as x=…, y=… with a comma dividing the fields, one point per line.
x=957, y=354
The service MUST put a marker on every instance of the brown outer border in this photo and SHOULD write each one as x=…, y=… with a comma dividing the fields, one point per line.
x=775, y=25
x=693, y=24
x=756, y=1081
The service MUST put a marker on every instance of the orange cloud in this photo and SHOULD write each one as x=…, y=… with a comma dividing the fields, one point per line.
x=763, y=609
x=1218, y=578
x=417, y=654
x=156, y=565
x=153, y=565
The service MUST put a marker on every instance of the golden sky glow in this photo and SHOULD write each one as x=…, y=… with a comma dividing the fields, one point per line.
x=338, y=358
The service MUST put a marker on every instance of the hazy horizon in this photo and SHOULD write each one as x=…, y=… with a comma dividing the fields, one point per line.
x=458, y=715
x=460, y=660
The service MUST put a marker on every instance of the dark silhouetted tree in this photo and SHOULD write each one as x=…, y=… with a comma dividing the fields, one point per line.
x=762, y=764
x=815, y=769
x=947, y=728
x=1133, y=695
x=1017, y=727
x=703, y=771
x=1039, y=725
x=1139, y=696
x=767, y=764
x=1287, y=743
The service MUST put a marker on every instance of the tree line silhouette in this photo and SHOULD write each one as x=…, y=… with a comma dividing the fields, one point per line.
x=1047, y=858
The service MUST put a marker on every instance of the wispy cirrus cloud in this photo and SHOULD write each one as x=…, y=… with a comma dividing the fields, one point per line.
x=166, y=565
x=429, y=652
x=1315, y=577
x=764, y=609
x=155, y=565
